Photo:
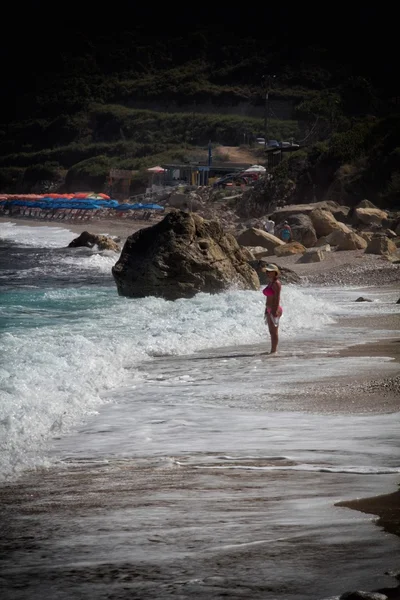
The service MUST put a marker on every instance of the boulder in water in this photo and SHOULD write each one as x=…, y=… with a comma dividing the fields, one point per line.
x=180, y=256
x=89, y=240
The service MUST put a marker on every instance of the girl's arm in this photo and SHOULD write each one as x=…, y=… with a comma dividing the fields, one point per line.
x=276, y=299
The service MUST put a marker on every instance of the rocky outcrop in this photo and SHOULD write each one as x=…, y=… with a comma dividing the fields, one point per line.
x=366, y=235
x=346, y=239
x=370, y=216
x=289, y=249
x=89, y=240
x=323, y=241
x=365, y=204
x=341, y=213
x=312, y=255
x=180, y=256
x=380, y=244
x=323, y=221
x=293, y=209
x=303, y=230
x=257, y=237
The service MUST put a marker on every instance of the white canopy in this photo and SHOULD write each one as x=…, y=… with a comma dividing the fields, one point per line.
x=156, y=169
x=256, y=169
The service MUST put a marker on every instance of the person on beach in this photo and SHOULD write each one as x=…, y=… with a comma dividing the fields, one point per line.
x=273, y=310
x=285, y=232
x=269, y=226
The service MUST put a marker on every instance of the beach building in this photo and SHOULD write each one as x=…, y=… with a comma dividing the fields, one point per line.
x=199, y=174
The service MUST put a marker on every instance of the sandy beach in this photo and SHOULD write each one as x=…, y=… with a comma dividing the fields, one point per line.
x=39, y=506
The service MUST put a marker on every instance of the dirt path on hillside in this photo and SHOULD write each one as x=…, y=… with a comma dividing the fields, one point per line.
x=239, y=155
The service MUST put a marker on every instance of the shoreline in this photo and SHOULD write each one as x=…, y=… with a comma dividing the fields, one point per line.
x=347, y=267
x=367, y=393
x=122, y=227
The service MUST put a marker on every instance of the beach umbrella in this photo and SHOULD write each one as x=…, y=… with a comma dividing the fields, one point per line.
x=152, y=207
x=156, y=169
x=108, y=203
x=99, y=196
x=123, y=207
x=82, y=194
x=95, y=196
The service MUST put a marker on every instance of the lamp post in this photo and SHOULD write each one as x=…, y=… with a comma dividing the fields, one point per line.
x=266, y=79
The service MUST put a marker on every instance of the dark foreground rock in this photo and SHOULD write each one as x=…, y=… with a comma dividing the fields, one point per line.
x=180, y=256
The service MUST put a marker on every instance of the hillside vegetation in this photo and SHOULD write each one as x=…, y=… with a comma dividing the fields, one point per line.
x=121, y=100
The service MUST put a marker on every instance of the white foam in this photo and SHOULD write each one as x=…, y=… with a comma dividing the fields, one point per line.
x=101, y=261
x=45, y=236
x=65, y=349
x=71, y=345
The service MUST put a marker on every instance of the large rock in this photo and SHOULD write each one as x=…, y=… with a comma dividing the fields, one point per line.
x=257, y=237
x=289, y=249
x=366, y=235
x=324, y=222
x=341, y=213
x=180, y=256
x=370, y=216
x=282, y=214
x=323, y=241
x=261, y=254
x=346, y=239
x=312, y=255
x=89, y=240
x=248, y=254
x=380, y=244
x=303, y=230
x=365, y=204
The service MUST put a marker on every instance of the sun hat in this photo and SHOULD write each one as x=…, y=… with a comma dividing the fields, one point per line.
x=271, y=267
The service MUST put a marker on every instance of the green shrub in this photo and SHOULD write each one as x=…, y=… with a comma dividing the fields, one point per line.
x=352, y=144
x=49, y=170
x=93, y=172
x=9, y=178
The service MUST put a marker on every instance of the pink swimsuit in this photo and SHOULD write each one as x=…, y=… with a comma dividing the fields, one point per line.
x=268, y=291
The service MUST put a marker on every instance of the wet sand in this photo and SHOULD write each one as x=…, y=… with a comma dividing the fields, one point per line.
x=158, y=520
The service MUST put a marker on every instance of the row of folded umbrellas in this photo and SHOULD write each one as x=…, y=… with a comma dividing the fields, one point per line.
x=54, y=196
x=71, y=201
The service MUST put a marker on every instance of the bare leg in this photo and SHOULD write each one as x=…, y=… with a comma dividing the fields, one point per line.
x=273, y=331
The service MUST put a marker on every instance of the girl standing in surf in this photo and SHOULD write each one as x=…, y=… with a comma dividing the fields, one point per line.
x=273, y=310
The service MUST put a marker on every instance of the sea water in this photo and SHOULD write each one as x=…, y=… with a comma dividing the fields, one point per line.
x=88, y=376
